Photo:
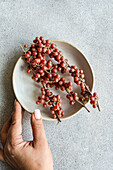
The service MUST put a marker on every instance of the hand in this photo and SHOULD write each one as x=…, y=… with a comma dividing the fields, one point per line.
x=25, y=155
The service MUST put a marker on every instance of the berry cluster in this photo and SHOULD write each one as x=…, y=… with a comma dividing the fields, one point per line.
x=54, y=101
x=94, y=100
x=47, y=73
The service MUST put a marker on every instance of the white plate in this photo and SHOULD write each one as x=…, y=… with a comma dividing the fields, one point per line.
x=27, y=90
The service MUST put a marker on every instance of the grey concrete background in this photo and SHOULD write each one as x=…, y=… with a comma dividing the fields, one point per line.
x=84, y=142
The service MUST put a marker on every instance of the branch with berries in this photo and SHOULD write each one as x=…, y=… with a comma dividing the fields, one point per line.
x=45, y=72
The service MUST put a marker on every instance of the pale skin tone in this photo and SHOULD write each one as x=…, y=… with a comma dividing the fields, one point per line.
x=20, y=154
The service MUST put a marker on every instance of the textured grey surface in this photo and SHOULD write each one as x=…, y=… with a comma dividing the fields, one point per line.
x=84, y=142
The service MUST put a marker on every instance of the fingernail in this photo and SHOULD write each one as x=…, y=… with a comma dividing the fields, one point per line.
x=37, y=114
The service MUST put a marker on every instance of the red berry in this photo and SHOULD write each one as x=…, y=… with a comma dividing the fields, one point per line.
x=43, y=50
x=52, y=111
x=59, y=68
x=37, y=60
x=94, y=94
x=27, y=55
x=49, y=65
x=74, y=67
x=94, y=105
x=42, y=89
x=62, y=113
x=56, y=107
x=59, y=112
x=71, y=70
x=25, y=45
x=57, y=57
x=92, y=98
x=62, y=64
x=40, y=45
x=44, y=105
x=56, y=87
x=55, y=66
x=53, y=75
x=35, y=78
x=44, y=68
x=78, y=82
x=43, y=41
x=62, y=88
x=54, y=116
x=55, y=53
x=49, y=103
x=49, y=75
x=37, y=38
x=48, y=51
x=47, y=41
x=60, y=82
x=42, y=96
x=94, y=102
x=55, y=80
x=70, y=98
x=58, y=97
x=82, y=85
x=76, y=98
x=62, y=58
x=43, y=92
x=53, y=45
x=47, y=44
x=43, y=62
x=77, y=71
x=82, y=76
x=39, y=50
x=54, y=70
x=41, y=38
x=71, y=102
x=62, y=79
x=29, y=52
x=77, y=75
x=54, y=99
x=28, y=71
x=56, y=50
x=34, y=53
x=75, y=79
x=70, y=83
x=37, y=102
x=42, y=101
x=34, y=41
x=58, y=76
x=33, y=49
x=37, y=75
x=81, y=71
x=46, y=99
x=47, y=85
x=32, y=45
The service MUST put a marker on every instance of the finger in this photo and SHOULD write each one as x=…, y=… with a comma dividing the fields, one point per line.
x=4, y=130
x=16, y=126
x=37, y=128
x=2, y=155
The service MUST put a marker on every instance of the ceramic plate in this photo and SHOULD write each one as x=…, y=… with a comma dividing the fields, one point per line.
x=27, y=90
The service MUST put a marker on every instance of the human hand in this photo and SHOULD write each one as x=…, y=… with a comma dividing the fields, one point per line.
x=25, y=155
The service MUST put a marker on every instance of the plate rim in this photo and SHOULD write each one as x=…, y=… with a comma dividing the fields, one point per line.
x=92, y=73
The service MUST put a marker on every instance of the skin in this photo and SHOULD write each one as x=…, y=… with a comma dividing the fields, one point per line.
x=20, y=154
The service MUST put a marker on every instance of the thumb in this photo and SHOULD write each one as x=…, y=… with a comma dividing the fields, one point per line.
x=37, y=128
